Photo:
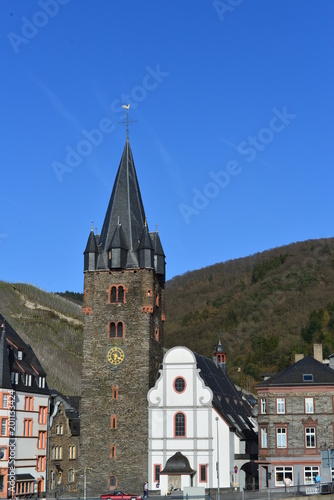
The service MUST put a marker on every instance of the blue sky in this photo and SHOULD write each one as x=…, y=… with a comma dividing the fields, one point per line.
x=233, y=139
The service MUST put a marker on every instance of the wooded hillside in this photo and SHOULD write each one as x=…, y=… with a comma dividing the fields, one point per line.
x=264, y=308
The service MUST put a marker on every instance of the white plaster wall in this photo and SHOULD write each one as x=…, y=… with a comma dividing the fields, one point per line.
x=200, y=444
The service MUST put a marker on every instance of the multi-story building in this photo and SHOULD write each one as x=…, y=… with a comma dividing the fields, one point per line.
x=124, y=315
x=24, y=401
x=64, y=433
x=201, y=429
x=295, y=424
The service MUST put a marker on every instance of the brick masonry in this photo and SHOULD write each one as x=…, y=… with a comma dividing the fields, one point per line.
x=134, y=377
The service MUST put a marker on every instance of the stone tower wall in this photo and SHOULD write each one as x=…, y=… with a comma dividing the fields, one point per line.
x=142, y=314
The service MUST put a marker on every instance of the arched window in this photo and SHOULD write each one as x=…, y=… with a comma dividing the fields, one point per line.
x=71, y=476
x=113, y=294
x=116, y=330
x=120, y=297
x=179, y=425
x=112, y=482
x=117, y=294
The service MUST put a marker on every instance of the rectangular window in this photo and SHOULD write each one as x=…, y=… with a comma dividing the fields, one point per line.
x=28, y=403
x=283, y=476
x=59, y=429
x=309, y=408
x=4, y=427
x=57, y=453
x=42, y=414
x=41, y=443
x=3, y=453
x=281, y=437
x=5, y=401
x=41, y=382
x=280, y=404
x=202, y=473
x=263, y=406
x=264, y=437
x=28, y=380
x=113, y=422
x=157, y=470
x=310, y=437
x=27, y=427
x=114, y=390
x=41, y=464
x=2, y=483
x=71, y=452
x=113, y=451
x=310, y=473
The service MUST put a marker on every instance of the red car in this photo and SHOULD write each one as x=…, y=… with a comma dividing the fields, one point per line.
x=120, y=495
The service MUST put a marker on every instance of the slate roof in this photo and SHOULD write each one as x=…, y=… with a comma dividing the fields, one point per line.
x=294, y=375
x=125, y=208
x=125, y=226
x=227, y=400
x=11, y=344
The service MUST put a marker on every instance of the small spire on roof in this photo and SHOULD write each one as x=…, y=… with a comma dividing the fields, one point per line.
x=96, y=230
x=92, y=228
x=156, y=228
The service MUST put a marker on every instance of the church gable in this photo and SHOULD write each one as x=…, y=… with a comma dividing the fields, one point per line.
x=180, y=383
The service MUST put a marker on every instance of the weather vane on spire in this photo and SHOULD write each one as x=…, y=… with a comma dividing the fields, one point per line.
x=127, y=121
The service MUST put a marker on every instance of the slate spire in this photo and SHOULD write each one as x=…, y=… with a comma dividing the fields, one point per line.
x=125, y=241
x=125, y=208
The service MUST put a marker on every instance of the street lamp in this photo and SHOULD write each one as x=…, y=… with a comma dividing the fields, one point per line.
x=217, y=463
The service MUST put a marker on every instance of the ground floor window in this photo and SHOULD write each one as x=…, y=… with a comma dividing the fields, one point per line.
x=310, y=473
x=283, y=476
x=2, y=482
x=203, y=473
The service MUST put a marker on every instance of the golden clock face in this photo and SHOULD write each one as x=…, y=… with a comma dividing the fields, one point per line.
x=115, y=356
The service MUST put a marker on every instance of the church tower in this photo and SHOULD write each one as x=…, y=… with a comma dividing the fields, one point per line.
x=124, y=270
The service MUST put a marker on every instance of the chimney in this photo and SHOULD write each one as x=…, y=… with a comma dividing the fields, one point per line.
x=317, y=352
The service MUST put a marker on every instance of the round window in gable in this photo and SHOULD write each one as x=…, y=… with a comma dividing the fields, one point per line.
x=179, y=384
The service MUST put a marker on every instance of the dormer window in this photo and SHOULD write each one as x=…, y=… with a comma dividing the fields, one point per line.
x=14, y=377
x=41, y=382
x=307, y=377
x=19, y=355
x=28, y=379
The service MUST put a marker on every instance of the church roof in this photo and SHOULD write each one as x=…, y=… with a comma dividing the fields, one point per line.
x=125, y=208
x=227, y=400
x=307, y=371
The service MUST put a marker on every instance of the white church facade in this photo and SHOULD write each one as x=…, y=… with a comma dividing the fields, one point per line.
x=201, y=429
